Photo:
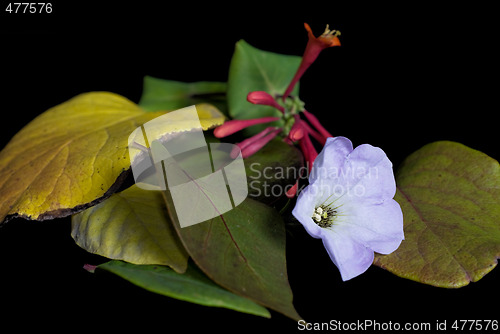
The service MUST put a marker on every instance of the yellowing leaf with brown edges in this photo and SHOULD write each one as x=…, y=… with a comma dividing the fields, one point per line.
x=70, y=157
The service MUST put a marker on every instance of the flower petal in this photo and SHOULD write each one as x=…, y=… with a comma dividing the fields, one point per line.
x=367, y=175
x=351, y=257
x=304, y=208
x=379, y=227
x=331, y=159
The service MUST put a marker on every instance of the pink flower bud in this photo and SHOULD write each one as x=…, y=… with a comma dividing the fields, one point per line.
x=263, y=98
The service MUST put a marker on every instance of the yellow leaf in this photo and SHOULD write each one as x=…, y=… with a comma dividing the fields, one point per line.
x=72, y=156
x=209, y=115
x=133, y=226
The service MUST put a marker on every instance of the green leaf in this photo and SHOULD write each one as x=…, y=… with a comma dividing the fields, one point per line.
x=243, y=250
x=192, y=286
x=159, y=94
x=273, y=170
x=251, y=70
x=450, y=197
x=133, y=226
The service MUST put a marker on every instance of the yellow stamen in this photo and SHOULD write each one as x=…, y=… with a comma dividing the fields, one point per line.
x=329, y=32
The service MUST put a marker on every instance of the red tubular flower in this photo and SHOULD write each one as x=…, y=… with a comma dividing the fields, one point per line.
x=314, y=133
x=315, y=122
x=251, y=145
x=259, y=135
x=313, y=48
x=300, y=132
x=307, y=148
x=263, y=98
x=235, y=125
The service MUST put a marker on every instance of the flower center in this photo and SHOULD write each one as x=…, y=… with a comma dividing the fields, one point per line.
x=323, y=216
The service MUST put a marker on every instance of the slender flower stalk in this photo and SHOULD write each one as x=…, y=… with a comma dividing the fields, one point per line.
x=313, y=48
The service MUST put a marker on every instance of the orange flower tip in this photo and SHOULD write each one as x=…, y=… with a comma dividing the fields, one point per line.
x=328, y=38
x=308, y=28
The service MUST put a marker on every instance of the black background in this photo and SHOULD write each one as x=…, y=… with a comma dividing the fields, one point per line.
x=404, y=76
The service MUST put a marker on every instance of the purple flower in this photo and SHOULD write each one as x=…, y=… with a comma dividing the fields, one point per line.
x=349, y=205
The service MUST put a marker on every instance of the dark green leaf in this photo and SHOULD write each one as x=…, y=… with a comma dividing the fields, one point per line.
x=243, y=250
x=192, y=286
x=159, y=94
